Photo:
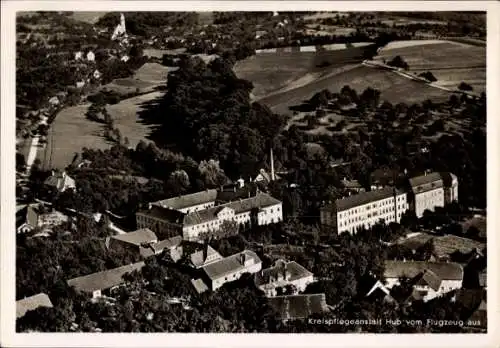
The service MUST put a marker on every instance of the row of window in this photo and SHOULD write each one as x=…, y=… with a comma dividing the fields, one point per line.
x=387, y=203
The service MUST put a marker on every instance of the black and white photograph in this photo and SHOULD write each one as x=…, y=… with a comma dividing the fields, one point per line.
x=293, y=171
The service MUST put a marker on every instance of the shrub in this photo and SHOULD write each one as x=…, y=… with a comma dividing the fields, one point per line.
x=464, y=86
x=428, y=76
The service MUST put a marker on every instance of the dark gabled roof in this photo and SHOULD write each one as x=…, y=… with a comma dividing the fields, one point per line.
x=294, y=270
x=361, y=199
x=428, y=278
x=197, y=259
x=161, y=213
x=229, y=264
x=105, y=279
x=138, y=237
x=424, y=183
x=189, y=200
x=298, y=306
x=31, y=303
x=410, y=269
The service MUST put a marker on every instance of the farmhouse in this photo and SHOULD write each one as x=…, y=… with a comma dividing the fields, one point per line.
x=31, y=303
x=60, y=181
x=231, y=268
x=292, y=307
x=193, y=219
x=283, y=274
x=39, y=216
x=107, y=281
x=430, y=279
x=365, y=209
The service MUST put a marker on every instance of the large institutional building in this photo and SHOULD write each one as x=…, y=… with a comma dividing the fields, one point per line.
x=388, y=204
x=365, y=209
x=192, y=216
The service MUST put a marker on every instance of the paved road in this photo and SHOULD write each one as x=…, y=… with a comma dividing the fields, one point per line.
x=32, y=153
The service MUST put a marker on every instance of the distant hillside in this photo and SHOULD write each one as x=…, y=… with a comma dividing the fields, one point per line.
x=87, y=16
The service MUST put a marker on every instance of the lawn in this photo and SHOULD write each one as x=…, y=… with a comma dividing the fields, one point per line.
x=87, y=16
x=146, y=79
x=393, y=88
x=450, y=62
x=71, y=131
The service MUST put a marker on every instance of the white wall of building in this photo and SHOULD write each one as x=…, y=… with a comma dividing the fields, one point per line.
x=367, y=215
x=428, y=201
x=253, y=268
x=446, y=286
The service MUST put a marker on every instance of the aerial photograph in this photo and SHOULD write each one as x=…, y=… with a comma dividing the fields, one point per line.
x=250, y=172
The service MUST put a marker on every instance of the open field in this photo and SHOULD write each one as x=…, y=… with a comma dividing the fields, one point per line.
x=393, y=88
x=71, y=131
x=450, y=62
x=146, y=79
x=275, y=70
x=87, y=16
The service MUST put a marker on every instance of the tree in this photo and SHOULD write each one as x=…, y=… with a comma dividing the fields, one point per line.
x=428, y=76
x=398, y=62
x=464, y=86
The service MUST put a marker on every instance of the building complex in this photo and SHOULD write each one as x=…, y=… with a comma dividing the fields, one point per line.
x=196, y=215
x=388, y=204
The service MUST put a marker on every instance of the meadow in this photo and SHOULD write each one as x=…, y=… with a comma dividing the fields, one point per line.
x=450, y=62
x=72, y=131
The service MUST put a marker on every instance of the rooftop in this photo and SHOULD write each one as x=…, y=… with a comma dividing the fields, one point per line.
x=164, y=214
x=189, y=200
x=105, y=279
x=271, y=274
x=362, y=198
x=298, y=306
x=261, y=200
x=138, y=237
x=199, y=285
x=197, y=258
x=230, y=264
x=426, y=182
x=429, y=278
x=31, y=303
x=410, y=269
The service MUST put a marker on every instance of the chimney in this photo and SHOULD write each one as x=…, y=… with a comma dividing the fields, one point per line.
x=272, y=166
x=242, y=258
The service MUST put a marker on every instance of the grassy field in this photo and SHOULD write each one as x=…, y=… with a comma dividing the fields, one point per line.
x=87, y=16
x=71, y=131
x=146, y=79
x=393, y=88
x=450, y=62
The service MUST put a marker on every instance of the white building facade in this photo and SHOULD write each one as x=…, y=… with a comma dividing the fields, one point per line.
x=231, y=268
x=365, y=209
x=427, y=193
